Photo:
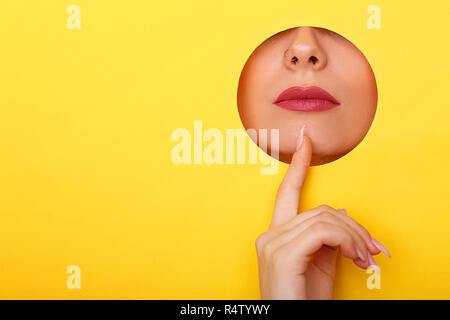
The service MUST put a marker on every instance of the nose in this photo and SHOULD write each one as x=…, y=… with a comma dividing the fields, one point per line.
x=304, y=51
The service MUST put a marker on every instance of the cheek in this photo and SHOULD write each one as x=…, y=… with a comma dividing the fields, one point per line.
x=254, y=94
x=360, y=103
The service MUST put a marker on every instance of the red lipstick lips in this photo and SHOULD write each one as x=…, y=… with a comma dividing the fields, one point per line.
x=306, y=99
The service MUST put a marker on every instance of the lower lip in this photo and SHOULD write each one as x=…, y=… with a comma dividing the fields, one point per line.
x=309, y=105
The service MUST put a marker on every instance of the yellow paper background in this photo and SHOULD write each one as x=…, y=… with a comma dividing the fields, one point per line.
x=86, y=176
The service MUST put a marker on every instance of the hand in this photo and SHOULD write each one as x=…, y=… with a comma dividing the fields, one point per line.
x=296, y=256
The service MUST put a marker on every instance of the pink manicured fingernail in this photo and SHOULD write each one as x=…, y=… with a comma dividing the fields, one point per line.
x=378, y=244
x=360, y=254
x=371, y=260
x=373, y=264
x=300, y=137
x=345, y=211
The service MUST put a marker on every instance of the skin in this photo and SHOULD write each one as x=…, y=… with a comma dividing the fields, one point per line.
x=297, y=255
x=309, y=56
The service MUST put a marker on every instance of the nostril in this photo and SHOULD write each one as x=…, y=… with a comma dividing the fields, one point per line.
x=313, y=59
x=294, y=59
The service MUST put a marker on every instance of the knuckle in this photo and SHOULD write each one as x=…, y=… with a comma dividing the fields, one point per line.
x=278, y=258
x=319, y=226
x=364, y=231
x=326, y=215
x=324, y=207
x=268, y=249
x=260, y=240
x=348, y=239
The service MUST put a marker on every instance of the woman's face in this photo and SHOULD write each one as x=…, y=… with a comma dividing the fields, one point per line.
x=314, y=77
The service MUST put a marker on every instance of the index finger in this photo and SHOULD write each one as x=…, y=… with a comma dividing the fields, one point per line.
x=288, y=196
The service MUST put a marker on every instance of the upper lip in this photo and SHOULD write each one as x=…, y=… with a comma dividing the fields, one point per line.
x=311, y=93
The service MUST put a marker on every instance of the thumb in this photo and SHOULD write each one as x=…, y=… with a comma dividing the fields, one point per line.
x=288, y=196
